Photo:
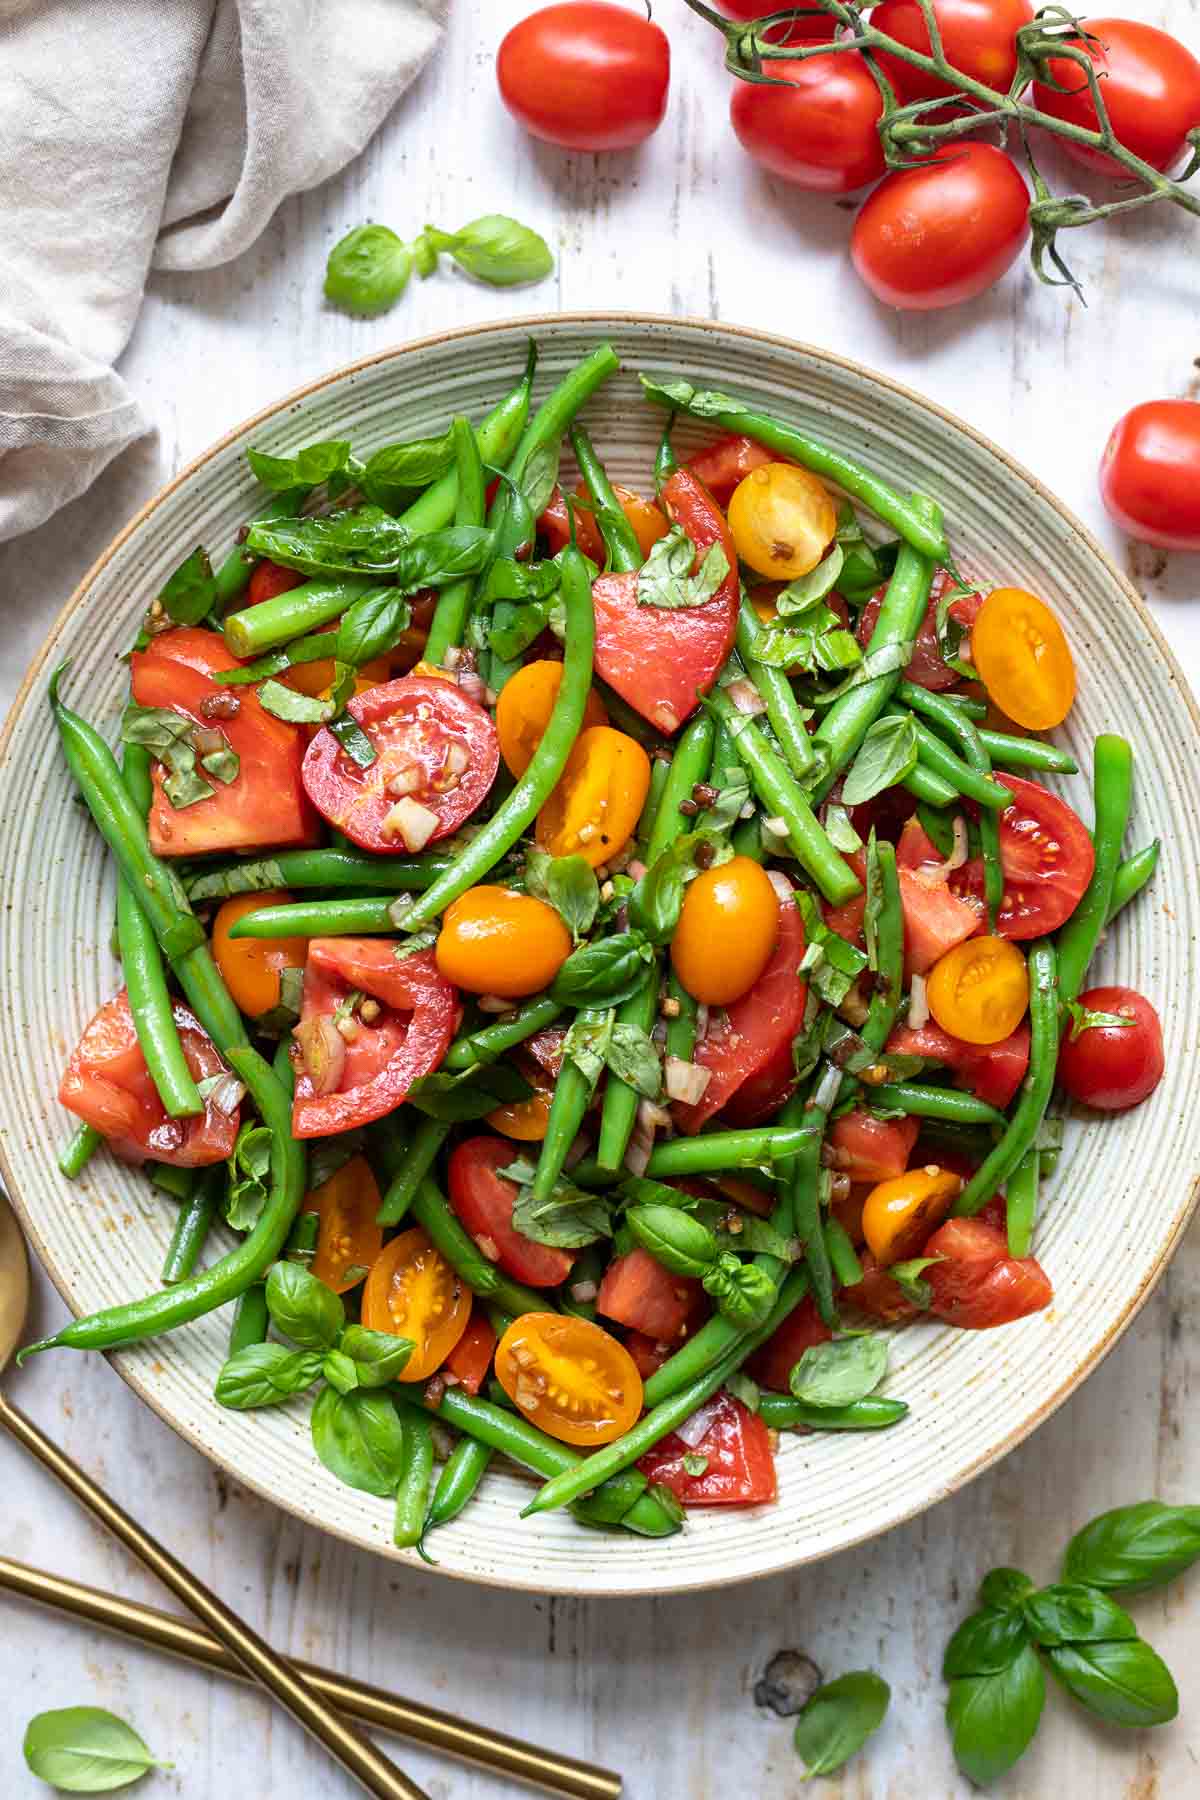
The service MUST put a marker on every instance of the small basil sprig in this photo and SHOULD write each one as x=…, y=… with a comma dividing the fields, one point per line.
x=887, y=757
x=569, y=1219
x=86, y=1750
x=841, y=1371
x=456, y=1096
x=266, y=1375
x=349, y=1357
x=1125, y=1682
x=249, y=1171
x=366, y=540
x=1133, y=1548
x=744, y=1293
x=603, y=973
x=839, y=1719
x=569, y=885
x=370, y=267
x=310, y=467
x=666, y=578
x=657, y=901
x=359, y=1437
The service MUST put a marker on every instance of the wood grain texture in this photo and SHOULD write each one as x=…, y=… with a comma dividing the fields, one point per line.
x=661, y=1689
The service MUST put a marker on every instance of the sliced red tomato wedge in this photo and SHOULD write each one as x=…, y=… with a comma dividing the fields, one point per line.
x=1047, y=856
x=739, y=1469
x=637, y=1291
x=546, y=1048
x=264, y=806
x=433, y=746
x=847, y=919
x=373, y=1072
x=879, y=1294
x=662, y=659
x=270, y=579
x=471, y=1357
x=977, y=1284
x=723, y=466
x=648, y=1354
x=749, y=1049
x=869, y=1149
x=772, y=1365
x=108, y=1085
x=992, y=1072
x=484, y=1200
x=926, y=667
x=935, y=919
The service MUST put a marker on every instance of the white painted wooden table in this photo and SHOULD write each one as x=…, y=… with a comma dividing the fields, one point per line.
x=659, y=1689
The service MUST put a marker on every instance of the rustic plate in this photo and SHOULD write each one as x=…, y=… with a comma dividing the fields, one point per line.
x=1125, y=1187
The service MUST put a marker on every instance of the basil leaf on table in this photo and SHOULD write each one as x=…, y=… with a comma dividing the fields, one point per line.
x=86, y=1750
x=1135, y=1547
x=1125, y=1682
x=568, y=884
x=568, y=1220
x=887, y=756
x=265, y=1375
x=303, y=1308
x=1005, y=1588
x=377, y=1355
x=840, y=1372
x=666, y=579
x=603, y=973
x=371, y=626
x=992, y=1719
x=359, y=1437
x=1069, y=1613
x=985, y=1643
x=308, y=468
x=190, y=592
x=368, y=270
x=839, y=1719
x=496, y=249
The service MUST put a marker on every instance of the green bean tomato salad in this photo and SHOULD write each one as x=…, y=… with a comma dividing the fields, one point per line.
x=604, y=955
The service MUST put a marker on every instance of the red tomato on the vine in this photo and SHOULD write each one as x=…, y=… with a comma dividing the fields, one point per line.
x=1150, y=473
x=938, y=235
x=1151, y=89
x=1112, y=1067
x=586, y=75
x=978, y=36
x=821, y=130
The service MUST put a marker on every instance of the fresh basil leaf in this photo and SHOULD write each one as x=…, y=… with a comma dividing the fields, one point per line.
x=86, y=1750
x=282, y=1017
x=463, y=1094
x=521, y=1170
x=694, y=1465
x=840, y=1372
x=568, y=884
x=1004, y=1588
x=366, y=540
x=249, y=1177
x=340, y=1371
x=372, y=626
x=169, y=737
x=951, y=635
x=740, y=1385
x=1083, y=1020
x=224, y=765
x=681, y=396
x=884, y=661
x=294, y=708
x=1135, y=1547
x=801, y=595
x=265, y=1375
x=303, y=1308
x=808, y=1046
x=633, y=1059
x=397, y=467
x=498, y=250
x=307, y=469
x=1070, y=1613
x=586, y=1044
x=1125, y=1682
x=657, y=901
x=509, y=638
x=666, y=579
x=839, y=829
x=508, y=579
x=354, y=741
x=754, y=1236
x=328, y=1155
x=568, y=1220
x=368, y=270
x=985, y=1643
x=873, y=910
x=539, y=478
x=992, y=1719
x=831, y=965
x=839, y=1719
x=360, y=1439
x=866, y=569
x=603, y=973
x=674, y=1237
x=733, y=794
x=908, y=1278
x=888, y=755
x=190, y=592
x=378, y=1357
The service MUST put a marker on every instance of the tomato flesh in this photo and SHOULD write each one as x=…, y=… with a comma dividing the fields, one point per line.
x=992, y=1072
x=869, y=1149
x=723, y=466
x=879, y=1294
x=270, y=579
x=772, y=1365
x=350, y=1239
x=1047, y=856
x=977, y=1284
x=471, y=1358
x=739, y=1467
x=1112, y=1067
x=412, y=1292
x=483, y=1199
x=637, y=1291
x=570, y=1377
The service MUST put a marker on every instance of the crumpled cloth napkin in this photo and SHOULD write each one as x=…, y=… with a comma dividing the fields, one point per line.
x=155, y=133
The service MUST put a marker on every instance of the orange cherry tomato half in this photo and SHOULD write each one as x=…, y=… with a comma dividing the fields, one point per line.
x=523, y=712
x=783, y=520
x=727, y=931
x=350, y=1239
x=979, y=990
x=594, y=810
x=413, y=1293
x=1023, y=658
x=899, y=1215
x=493, y=941
x=525, y=1120
x=569, y=1377
x=251, y=967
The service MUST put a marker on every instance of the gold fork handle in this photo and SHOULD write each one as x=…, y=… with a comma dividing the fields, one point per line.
x=374, y=1771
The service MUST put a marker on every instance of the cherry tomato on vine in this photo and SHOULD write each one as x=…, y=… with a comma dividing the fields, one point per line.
x=1151, y=89
x=1023, y=658
x=727, y=931
x=523, y=712
x=815, y=29
x=783, y=520
x=350, y=1239
x=570, y=1377
x=978, y=36
x=1112, y=1067
x=939, y=235
x=979, y=990
x=251, y=967
x=1047, y=857
x=494, y=941
x=1150, y=473
x=821, y=130
x=412, y=1292
x=586, y=75
x=594, y=810
x=899, y=1214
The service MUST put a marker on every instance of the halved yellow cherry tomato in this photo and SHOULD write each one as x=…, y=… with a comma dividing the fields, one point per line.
x=251, y=967
x=727, y=932
x=493, y=941
x=783, y=520
x=594, y=810
x=979, y=990
x=1023, y=658
x=350, y=1239
x=525, y=1120
x=413, y=1293
x=523, y=712
x=570, y=1377
x=649, y=521
x=899, y=1215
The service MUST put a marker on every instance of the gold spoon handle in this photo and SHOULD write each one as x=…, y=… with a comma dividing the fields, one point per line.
x=374, y=1771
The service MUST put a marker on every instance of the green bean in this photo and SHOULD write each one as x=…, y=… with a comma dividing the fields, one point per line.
x=169, y=1179
x=847, y=1269
x=489, y=1043
x=970, y=709
x=690, y=764
x=1021, y=1195
x=929, y=787
x=470, y=508
x=713, y=1151
x=518, y=812
x=431, y=1210
x=665, y=460
x=513, y=1436
x=1027, y=753
x=250, y=1319
x=804, y=1183
x=422, y=1153
x=215, y=1286
x=572, y=1096
x=659, y=771
x=303, y=1238
x=459, y=1481
x=781, y=795
x=906, y=517
x=388, y=1143
x=783, y=709
x=1112, y=780
x=850, y=717
x=412, y=1490
x=620, y=1099
x=964, y=732
x=314, y=648
x=233, y=575
x=497, y=437
x=343, y=917
x=192, y=1226
x=292, y=614
x=1131, y=877
x=614, y=1458
x=78, y=1151
x=934, y=1103
x=620, y=539
x=874, y=1413
x=320, y=869
x=624, y=718
x=888, y=991
x=937, y=755
x=1035, y=1093
x=681, y=1026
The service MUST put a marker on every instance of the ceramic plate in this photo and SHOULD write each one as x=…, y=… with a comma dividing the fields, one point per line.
x=1124, y=1188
